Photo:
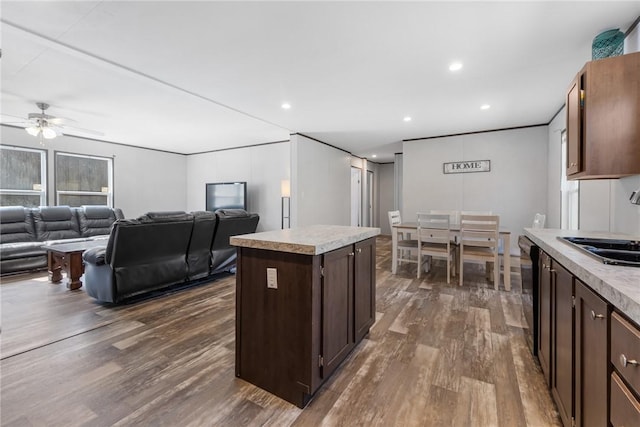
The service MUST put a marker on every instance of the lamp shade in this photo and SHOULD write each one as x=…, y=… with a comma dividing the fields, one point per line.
x=33, y=130
x=48, y=133
x=285, y=188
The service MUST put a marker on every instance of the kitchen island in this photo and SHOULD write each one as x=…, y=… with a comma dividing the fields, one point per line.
x=305, y=297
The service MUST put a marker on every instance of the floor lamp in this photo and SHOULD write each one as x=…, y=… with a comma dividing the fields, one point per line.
x=285, y=191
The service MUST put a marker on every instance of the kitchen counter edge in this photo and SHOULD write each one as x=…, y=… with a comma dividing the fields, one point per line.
x=310, y=240
x=619, y=285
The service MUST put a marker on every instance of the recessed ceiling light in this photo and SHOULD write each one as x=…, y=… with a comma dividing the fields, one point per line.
x=407, y=119
x=485, y=106
x=455, y=66
x=374, y=156
x=286, y=106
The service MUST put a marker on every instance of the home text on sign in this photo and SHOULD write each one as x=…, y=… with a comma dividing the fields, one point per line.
x=467, y=166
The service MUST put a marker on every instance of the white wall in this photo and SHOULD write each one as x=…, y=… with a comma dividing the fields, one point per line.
x=632, y=41
x=515, y=188
x=263, y=167
x=385, y=195
x=144, y=180
x=320, y=183
x=554, y=169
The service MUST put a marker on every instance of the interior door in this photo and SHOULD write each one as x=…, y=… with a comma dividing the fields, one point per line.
x=356, y=197
x=369, y=222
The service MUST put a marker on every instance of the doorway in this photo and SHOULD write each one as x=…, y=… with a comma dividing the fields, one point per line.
x=369, y=222
x=356, y=196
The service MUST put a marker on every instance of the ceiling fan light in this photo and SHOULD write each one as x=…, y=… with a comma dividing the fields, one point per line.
x=48, y=133
x=33, y=130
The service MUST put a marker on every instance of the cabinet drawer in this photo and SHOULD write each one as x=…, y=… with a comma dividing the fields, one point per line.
x=625, y=409
x=625, y=350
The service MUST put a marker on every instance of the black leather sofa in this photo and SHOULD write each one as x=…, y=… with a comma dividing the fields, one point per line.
x=23, y=231
x=163, y=249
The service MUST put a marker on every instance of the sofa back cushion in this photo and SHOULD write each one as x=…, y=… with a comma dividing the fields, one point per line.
x=16, y=225
x=231, y=222
x=150, y=252
x=55, y=223
x=95, y=220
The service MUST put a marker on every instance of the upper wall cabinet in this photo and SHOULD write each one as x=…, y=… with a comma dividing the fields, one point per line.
x=603, y=119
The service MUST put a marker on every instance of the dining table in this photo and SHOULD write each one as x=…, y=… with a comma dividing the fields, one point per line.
x=412, y=227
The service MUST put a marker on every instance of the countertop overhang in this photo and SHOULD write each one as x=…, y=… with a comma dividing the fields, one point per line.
x=310, y=240
x=620, y=285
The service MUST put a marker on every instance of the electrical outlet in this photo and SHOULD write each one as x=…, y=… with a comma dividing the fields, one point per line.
x=272, y=278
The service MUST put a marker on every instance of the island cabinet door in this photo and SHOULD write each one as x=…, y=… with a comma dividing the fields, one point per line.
x=337, y=308
x=364, y=287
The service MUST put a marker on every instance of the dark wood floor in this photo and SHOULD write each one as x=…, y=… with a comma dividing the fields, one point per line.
x=438, y=355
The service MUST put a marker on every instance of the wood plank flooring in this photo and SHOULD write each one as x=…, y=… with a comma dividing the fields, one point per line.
x=438, y=355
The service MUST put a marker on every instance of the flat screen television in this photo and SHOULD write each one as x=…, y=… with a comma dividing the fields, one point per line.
x=226, y=195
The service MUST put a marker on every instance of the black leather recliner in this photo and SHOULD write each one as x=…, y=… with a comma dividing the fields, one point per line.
x=23, y=231
x=162, y=249
x=142, y=255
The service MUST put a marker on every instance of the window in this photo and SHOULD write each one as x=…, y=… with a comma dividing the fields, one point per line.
x=570, y=191
x=83, y=180
x=23, y=177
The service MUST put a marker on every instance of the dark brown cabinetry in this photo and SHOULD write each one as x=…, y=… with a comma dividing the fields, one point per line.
x=544, y=317
x=290, y=338
x=625, y=380
x=592, y=357
x=573, y=345
x=365, y=296
x=562, y=342
x=603, y=119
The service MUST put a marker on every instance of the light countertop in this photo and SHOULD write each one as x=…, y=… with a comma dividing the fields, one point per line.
x=310, y=240
x=617, y=284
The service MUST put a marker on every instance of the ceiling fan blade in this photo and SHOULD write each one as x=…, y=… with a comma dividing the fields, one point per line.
x=87, y=131
x=60, y=120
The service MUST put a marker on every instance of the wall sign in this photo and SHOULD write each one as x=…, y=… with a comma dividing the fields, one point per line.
x=467, y=166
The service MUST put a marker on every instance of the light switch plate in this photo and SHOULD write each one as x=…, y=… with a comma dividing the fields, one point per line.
x=272, y=278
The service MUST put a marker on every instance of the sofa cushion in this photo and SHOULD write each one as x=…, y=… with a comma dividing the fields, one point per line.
x=97, y=212
x=55, y=223
x=95, y=220
x=232, y=213
x=21, y=250
x=16, y=225
x=169, y=216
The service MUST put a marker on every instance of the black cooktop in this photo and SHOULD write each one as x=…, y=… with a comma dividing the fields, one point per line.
x=609, y=251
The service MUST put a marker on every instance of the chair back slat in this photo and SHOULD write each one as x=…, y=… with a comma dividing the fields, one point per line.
x=434, y=228
x=480, y=230
x=394, y=218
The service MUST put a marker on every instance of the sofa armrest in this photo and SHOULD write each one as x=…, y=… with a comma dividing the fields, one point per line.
x=95, y=256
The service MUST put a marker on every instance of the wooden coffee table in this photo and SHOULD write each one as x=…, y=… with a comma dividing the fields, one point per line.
x=68, y=256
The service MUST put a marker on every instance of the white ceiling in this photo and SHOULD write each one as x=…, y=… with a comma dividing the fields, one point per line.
x=197, y=76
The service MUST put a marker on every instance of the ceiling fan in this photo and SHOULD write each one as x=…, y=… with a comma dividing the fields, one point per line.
x=45, y=126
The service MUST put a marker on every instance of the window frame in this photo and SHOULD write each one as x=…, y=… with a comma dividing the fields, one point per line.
x=569, y=192
x=43, y=193
x=110, y=178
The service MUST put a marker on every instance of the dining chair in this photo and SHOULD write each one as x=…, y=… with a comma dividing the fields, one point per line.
x=479, y=237
x=434, y=240
x=539, y=220
x=395, y=219
x=476, y=213
x=454, y=216
x=407, y=248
